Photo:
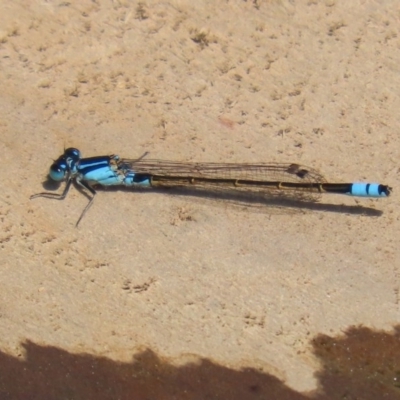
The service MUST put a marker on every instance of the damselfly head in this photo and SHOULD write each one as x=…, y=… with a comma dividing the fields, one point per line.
x=72, y=154
x=58, y=170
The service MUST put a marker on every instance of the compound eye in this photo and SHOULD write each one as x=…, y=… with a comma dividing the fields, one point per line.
x=57, y=171
x=73, y=154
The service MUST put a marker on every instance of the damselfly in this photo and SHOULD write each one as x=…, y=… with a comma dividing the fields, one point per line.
x=281, y=180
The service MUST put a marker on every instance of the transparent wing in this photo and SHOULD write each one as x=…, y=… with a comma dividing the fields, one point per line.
x=229, y=176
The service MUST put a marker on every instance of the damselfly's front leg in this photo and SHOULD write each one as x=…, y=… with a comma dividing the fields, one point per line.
x=57, y=196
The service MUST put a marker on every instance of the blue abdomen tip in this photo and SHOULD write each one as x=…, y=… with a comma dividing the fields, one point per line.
x=369, y=190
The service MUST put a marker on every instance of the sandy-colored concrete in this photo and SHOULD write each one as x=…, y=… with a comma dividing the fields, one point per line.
x=315, y=82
